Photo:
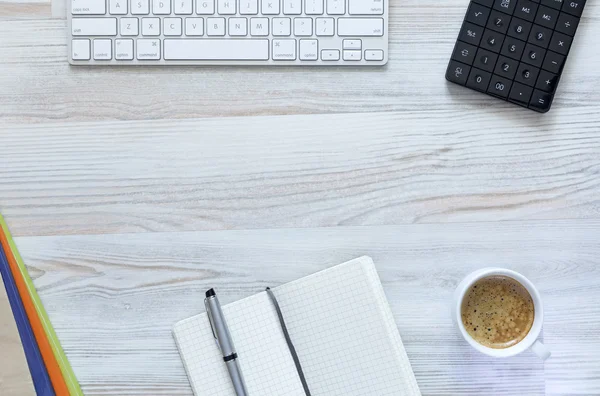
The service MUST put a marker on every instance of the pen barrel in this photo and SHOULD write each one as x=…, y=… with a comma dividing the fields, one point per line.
x=220, y=327
x=236, y=378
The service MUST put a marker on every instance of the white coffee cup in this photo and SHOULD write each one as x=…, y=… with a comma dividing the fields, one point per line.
x=530, y=340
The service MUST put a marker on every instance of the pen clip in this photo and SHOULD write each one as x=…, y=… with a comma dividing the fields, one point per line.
x=210, y=320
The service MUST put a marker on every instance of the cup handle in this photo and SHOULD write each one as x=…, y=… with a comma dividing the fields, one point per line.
x=541, y=350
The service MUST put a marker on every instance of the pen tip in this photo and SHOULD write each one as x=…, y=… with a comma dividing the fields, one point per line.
x=210, y=293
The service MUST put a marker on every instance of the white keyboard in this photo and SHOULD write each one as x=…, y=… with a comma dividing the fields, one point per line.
x=228, y=32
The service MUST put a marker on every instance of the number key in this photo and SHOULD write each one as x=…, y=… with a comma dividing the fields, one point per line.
x=506, y=67
x=540, y=36
x=519, y=29
x=499, y=86
x=527, y=74
x=513, y=48
x=573, y=7
x=479, y=80
x=485, y=60
x=533, y=55
x=492, y=41
x=498, y=22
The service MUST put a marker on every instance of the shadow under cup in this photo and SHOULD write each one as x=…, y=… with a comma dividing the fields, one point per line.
x=530, y=339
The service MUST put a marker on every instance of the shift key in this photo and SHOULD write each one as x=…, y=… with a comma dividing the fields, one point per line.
x=356, y=27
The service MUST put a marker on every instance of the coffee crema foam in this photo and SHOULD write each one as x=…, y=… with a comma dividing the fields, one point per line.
x=497, y=312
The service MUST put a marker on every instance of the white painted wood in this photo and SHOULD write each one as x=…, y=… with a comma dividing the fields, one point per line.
x=114, y=298
x=300, y=171
x=39, y=85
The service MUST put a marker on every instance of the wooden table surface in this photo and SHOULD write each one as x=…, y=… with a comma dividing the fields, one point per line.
x=131, y=190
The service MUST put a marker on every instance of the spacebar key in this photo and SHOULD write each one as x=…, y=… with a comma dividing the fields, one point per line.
x=216, y=49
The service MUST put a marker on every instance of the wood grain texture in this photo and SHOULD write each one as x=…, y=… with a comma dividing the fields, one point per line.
x=114, y=298
x=15, y=379
x=422, y=36
x=298, y=171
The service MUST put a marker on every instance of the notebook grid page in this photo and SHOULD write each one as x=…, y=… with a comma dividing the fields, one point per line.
x=264, y=358
x=347, y=343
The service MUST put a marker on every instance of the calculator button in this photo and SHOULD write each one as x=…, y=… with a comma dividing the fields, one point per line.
x=492, y=40
x=557, y=4
x=574, y=7
x=457, y=72
x=487, y=3
x=512, y=48
x=547, y=81
x=507, y=6
x=499, y=86
x=464, y=52
x=485, y=60
x=560, y=43
x=520, y=94
x=519, y=29
x=527, y=74
x=506, y=67
x=478, y=14
x=567, y=24
x=540, y=101
x=546, y=17
x=553, y=62
x=470, y=33
x=540, y=36
x=533, y=55
x=498, y=22
x=526, y=10
x=479, y=79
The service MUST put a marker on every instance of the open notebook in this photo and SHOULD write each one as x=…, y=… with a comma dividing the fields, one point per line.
x=341, y=326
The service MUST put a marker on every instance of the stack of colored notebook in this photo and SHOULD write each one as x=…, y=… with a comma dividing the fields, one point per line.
x=48, y=365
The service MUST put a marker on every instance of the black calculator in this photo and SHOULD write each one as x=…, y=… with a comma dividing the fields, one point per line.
x=515, y=49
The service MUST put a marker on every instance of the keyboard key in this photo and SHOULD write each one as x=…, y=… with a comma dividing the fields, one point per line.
x=172, y=26
x=336, y=7
x=80, y=49
x=117, y=7
x=527, y=74
x=547, y=81
x=506, y=67
x=292, y=7
x=205, y=7
x=540, y=101
x=358, y=26
x=303, y=27
x=512, y=48
x=540, y=36
x=506, y=6
x=498, y=22
x=270, y=7
x=238, y=27
x=492, y=41
x=520, y=94
x=373, y=55
x=325, y=27
x=282, y=26
x=309, y=50
x=526, y=9
x=161, y=7
x=226, y=49
x=464, y=52
x=533, y=55
x=330, y=55
x=94, y=26
x=129, y=26
x=546, y=17
x=140, y=7
x=215, y=26
x=259, y=27
x=560, y=43
x=226, y=7
x=313, y=7
x=124, y=49
x=149, y=49
x=284, y=50
x=574, y=7
x=88, y=7
x=351, y=55
x=250, y=7
x=352, y=44
x=150, y=26
x=485, y=60
x=194, y=26
x=182, y=7
x=519, y=29
x=499, y=86
x=364, y=7
x=567, y=24
x=554, y=62
x=102, y=49
x=478, y=14
x=556, y=4
x=457, y=72
x=479, y=80
x=470, y=33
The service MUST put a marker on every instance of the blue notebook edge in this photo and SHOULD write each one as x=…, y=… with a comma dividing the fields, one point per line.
x=37, y=369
